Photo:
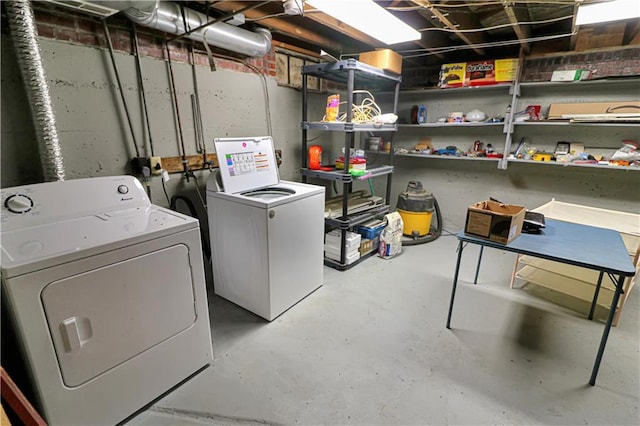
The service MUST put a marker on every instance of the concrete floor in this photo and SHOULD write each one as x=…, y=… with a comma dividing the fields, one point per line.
x=371, y=347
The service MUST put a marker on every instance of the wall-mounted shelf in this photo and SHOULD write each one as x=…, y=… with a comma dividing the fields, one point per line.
x=447, y=157
x=451, y=125
x=348, y=127
x=601, y=137
x=543, y=123
x=561, y=164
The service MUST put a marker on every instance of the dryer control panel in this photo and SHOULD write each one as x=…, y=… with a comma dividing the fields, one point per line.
x=31, y=205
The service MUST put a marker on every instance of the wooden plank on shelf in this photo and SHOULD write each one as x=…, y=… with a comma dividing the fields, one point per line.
x=194, y=162
x=566, y=285
x=17, y=402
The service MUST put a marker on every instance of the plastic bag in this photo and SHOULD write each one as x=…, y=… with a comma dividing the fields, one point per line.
x=391, y=236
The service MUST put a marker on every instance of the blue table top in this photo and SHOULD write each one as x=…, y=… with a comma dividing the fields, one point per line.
x=581, y=245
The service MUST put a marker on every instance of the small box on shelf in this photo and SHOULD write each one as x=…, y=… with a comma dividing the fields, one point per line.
x=385, y=59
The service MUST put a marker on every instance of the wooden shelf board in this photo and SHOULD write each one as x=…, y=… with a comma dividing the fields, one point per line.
x=567, y=285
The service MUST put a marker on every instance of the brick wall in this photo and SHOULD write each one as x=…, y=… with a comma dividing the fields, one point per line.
x=76, y=28
x=606, y=63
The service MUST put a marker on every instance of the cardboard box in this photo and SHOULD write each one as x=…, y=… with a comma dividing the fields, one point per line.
x=452, y=75
x=500, y=223
x=367, y=246
x=480, y=73
x=371, y=229
x=506, y=70
x=571, y=75
x=385, y=59
x=557, y=111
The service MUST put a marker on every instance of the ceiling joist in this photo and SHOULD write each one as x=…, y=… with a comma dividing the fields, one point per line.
x=455, y=21
x=522, y=31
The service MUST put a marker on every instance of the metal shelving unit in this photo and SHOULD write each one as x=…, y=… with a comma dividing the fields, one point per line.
x=355, y=75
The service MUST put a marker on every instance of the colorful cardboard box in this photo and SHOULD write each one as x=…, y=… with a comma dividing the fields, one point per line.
x=478, y=73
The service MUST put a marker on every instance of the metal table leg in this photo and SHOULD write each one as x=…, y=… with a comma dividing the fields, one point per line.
x=595, y=296
x=607, y=328
x=475, y=279
x=455, y=283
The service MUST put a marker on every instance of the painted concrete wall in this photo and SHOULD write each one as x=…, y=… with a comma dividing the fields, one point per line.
x=96, y=140
x=95, y=136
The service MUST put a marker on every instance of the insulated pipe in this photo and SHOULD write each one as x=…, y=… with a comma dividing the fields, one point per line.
x=167, y=17
x=24, y=34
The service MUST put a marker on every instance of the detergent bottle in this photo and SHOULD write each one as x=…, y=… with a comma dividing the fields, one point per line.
x=315, y=157
x=422, y=114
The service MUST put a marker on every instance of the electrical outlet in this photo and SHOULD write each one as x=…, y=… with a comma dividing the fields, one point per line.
x=156, y=165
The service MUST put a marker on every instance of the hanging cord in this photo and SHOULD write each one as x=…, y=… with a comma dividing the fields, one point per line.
x=176, y=109
x=142, y=91
x=364, y=112
x=195, y=180
x=124, y=102
x=193, y=212
x=164, y=188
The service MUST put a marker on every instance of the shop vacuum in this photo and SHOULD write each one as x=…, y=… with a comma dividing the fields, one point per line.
x=416, y=207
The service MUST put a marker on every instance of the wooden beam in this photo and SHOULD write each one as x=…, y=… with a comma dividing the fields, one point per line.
x=283, y=26
x=574, y=29
x=456, y=21
x=194, y=162
x=292, y=48
x=522, y=31
x=632, y=33
x=17, y=402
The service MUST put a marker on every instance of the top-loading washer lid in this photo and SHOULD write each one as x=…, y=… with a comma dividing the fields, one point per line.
x=270, y=193
x=246, y=163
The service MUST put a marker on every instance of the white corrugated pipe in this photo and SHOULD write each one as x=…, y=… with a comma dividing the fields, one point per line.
x=24, y=35
x=167, y=17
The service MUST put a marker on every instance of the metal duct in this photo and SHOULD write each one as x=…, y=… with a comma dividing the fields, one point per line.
x=24, y=34
x=167, y=17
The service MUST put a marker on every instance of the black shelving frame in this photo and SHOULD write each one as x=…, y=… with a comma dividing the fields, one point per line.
x=352, y=73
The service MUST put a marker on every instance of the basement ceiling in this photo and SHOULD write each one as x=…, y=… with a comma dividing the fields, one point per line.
x=452, y=30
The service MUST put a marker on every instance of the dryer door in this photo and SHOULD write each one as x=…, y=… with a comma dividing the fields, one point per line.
x=103, y=317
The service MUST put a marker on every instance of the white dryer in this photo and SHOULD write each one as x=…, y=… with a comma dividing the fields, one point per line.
x=266, y=235
x=106, y=294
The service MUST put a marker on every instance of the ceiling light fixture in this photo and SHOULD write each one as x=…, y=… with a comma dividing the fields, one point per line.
x=368, y=17
x=613, y=10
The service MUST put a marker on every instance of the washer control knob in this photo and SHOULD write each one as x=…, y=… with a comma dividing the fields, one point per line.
x=18, y=203
x=123, y=189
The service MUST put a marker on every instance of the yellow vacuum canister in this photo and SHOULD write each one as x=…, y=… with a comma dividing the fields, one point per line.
x=415, y=206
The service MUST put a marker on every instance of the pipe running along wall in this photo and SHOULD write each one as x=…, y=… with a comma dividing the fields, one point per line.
x=167, y=17
x=24, y=35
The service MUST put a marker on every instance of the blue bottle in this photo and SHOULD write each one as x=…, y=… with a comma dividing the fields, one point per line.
x=422, y=114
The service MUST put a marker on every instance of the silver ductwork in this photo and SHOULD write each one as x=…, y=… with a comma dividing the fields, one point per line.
x=167, y=17
x=24, y=35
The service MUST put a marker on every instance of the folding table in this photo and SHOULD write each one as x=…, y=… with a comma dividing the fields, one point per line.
x=587, y=246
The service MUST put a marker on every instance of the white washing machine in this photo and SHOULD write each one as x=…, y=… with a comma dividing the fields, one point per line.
x=266, y=235
x=106, y=294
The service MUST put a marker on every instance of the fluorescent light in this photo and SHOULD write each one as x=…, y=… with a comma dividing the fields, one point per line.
x=369, y=18
x=613, y=10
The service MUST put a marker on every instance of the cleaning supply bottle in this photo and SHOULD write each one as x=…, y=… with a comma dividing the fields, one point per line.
x=422, y=114
x=315, y=157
